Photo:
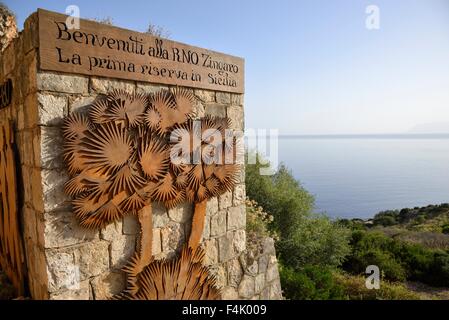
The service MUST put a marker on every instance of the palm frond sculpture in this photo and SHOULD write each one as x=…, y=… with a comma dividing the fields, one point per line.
x=183, y=278
x=210, y=167
x=124, y=153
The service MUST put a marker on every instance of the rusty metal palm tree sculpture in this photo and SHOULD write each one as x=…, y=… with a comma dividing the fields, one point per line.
x=212, y=169
x=119, y=160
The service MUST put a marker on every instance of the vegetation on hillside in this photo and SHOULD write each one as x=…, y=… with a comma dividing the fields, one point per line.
x=324, y=259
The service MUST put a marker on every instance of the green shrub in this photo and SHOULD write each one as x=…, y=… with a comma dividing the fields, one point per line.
x=257, y=220
x=316, y=241
x=445, y=229
x=304, y=237
x=397, y=260
x=439, y=271
x=386, y=218
x=310, y=283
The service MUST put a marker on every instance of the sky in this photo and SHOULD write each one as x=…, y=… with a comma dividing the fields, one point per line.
x=311, y=66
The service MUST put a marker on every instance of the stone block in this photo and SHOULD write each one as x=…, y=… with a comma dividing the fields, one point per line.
x=51, y=147
x=252, y=267
x=236, y=218
x=29, y=223
x=216, y=110
x=62, y=83
x=259, y=283
x=122, y=249
x=28, y=74
x=31, y=111
x=211, y=252
x=82, y=293
x=235, y=272
x=265, y=294
x=247, y=287
x=276, y=291
x=223, y=97
x=206, y=230
x=27, y=148
x=157, y=242
x=160, y=216
x=239, y=241
x=212, y=206
x=225, y=200
x=236, y=115
x=226, y=247
x=62, y=270
x=205, y=95
x=20, y=118
x=268, y=246
x=181, y=213
x=105, y=85
x=105, y=286
x=218, y=224
x=130, y=225
x=9, y=59
x=37, y=201
x=220, y=275
x=272, y=273
x=172, y=237
x=62, y=229
x=229, y=293
x=198, y=110
x=80, y=102
x=263, y=263
x=53, y=190
x=237, y=99
x=112, y=231
x=52, y=109
x=92, y=258
x=239, y=195
x=147, y=88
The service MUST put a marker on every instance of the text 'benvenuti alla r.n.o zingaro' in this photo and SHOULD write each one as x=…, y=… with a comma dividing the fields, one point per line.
x=132, y=55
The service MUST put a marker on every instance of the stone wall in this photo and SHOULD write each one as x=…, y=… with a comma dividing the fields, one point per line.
x=68, y=262
x=18, y=62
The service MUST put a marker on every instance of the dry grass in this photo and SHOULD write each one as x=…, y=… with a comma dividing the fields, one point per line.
x=355, y=289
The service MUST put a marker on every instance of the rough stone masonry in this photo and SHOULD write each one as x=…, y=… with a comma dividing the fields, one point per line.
x=67, y=262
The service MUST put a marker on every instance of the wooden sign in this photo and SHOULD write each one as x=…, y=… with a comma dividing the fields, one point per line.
x=101, y=50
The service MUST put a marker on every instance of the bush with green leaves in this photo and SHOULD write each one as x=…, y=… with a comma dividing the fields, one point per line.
x=305, y=238
x=397, y=260
x=310, y=283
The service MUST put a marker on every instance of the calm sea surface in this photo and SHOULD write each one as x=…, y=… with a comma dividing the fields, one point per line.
x=359, y=176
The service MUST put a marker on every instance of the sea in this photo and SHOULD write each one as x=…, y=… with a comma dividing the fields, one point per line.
x=354, y=176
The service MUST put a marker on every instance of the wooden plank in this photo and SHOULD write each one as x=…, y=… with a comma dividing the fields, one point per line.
x=12, y=258
x=107, y=51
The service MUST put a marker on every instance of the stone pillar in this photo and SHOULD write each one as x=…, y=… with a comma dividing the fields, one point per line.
x=19, y=63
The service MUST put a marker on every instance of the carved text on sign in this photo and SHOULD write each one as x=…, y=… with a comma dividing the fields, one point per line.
x=97, y=49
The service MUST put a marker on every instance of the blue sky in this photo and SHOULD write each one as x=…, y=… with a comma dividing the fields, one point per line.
x=311, y=66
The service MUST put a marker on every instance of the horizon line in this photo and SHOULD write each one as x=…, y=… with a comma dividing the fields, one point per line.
x=444, y=135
